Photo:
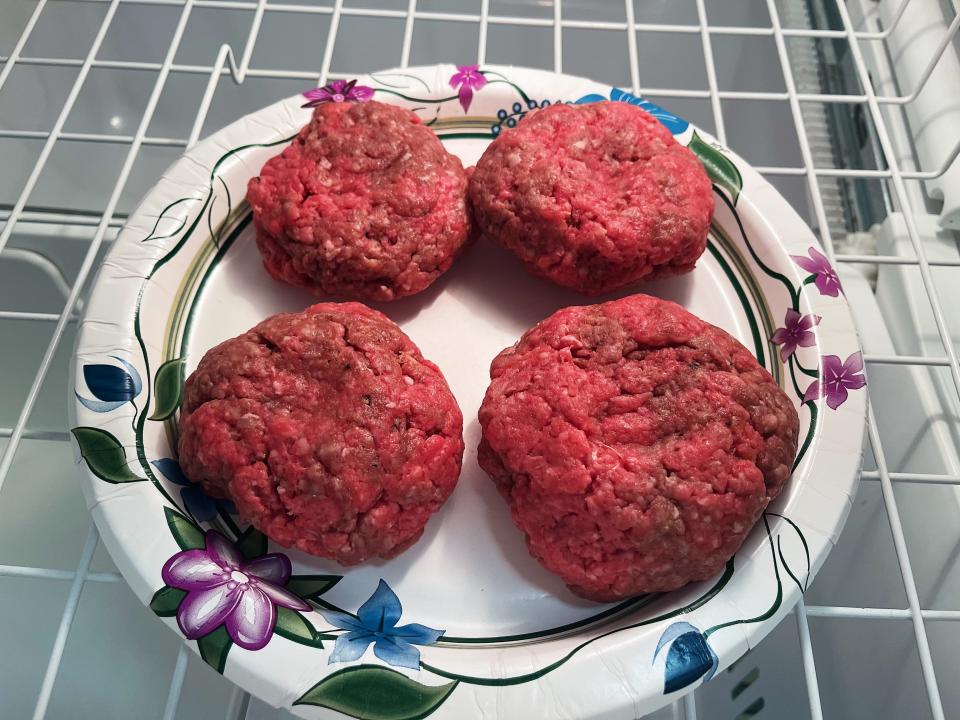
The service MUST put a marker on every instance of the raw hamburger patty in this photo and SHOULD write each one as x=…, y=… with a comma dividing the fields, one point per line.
x=594, y=197
x=364, y=203
x=327, y=428
x=636, y=445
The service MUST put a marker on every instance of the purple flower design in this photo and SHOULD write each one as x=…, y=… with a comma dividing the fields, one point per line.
x=376, y=622
x=223, y=589
x=467, y=79
x=825, y=277
x=836, y=378
x=795, y=333
x=337, y=91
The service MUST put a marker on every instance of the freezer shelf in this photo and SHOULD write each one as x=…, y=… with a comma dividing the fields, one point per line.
x=97, y=97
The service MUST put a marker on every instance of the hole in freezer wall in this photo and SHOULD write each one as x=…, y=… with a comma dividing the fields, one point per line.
x=752, y=710
x=672, y=60
x=366, y=44
x=520, y=45
x=597, y=54
x=292, y=41
x=747, y=64
x=435, y=41
x=745, y=13
x=746, y=681
x=64, y=30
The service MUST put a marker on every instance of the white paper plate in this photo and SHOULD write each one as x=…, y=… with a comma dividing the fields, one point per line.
x=185, y=275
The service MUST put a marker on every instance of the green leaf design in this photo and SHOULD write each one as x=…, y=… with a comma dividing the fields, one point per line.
x=215, y=231
x=166, y=600
x=252, y=543
x=718, y=166
x=187, y=535
x=373, y=692
x=214, y=648
x=168, y=388
x=294, y=626
x=806, y=553
x=310, y=587
x=175, y=228
x=104, y=455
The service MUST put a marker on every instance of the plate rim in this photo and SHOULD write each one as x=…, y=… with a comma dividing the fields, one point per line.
x=249, y=675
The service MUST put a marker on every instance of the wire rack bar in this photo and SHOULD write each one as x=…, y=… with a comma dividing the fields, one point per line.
x=893, y=260
x=408, y=34
x=176, y=683
x=43, y=264
x=93, y=137
x=557, y=37
x=906, y=360
x=906, y=571
x=50, y=574
x=38, y=316
x=331, y=40
x=809, y=663
x=37, y=434
x=237, y=705
x=918, y=478
x=42, y=217
x=867, y=613
x=712, y=84
x=632, y=54
x=66, y=622
x=484, y=28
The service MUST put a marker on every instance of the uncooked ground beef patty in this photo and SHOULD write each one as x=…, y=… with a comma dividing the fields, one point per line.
x=594, y=197
x=364, y=203
x=636, y=445
x=327, y=428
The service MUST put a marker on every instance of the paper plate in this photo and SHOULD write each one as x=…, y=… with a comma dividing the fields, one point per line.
x=185, y=274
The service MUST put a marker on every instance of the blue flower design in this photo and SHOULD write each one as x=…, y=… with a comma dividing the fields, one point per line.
x=112, y=386
x=671, y=122
x=203, y=507
x=376, y=622
x=689, y=658
x=515, y=114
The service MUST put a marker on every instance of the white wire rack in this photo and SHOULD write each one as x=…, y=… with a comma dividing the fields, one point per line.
x=97, y=229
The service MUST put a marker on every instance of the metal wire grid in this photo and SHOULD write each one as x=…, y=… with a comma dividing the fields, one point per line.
x=227, y=63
